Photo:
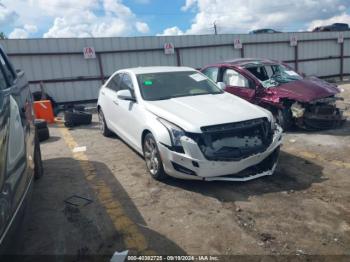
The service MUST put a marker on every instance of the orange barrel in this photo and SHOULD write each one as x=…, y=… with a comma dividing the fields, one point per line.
x=43, y=110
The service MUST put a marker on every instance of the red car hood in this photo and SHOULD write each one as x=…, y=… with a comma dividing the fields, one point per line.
x=304, y=90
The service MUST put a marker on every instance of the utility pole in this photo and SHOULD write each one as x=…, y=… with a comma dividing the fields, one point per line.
x=215, y=28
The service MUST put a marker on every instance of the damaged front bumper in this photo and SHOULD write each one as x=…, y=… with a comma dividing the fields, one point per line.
x=192, y=164
x=320, y=114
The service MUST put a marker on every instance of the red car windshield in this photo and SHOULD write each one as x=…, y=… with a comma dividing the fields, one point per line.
x=272, y=75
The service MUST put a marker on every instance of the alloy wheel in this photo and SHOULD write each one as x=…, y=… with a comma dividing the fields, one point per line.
x=101, y=121
x=151, y=155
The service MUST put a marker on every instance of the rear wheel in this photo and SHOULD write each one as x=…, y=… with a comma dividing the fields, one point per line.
x=103, y=126
x=40, y=123
x=152, y=157
x=43, y=134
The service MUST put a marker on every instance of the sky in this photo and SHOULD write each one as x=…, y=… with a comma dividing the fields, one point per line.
x=108, y=18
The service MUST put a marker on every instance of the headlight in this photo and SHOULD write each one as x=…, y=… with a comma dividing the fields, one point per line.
x=175, y=132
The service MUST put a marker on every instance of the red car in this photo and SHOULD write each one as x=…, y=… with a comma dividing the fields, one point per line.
x=308, y=102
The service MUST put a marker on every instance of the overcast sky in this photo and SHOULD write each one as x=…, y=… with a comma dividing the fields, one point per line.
x=104, y=18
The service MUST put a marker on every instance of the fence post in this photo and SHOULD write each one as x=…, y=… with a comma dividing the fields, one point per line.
x=242, y=51
x=296, y=58
x=341, y=61
x=102, y=75
x=178, y=57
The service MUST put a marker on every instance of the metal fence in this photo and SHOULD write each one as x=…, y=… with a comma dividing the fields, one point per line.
x=67, y=76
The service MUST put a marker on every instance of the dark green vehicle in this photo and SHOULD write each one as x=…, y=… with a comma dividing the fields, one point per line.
x=20, y=156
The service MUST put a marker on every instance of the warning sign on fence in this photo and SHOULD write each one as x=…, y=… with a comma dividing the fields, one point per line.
x=169, y=48
x=237, y=43
x=89, y=53
x=340, y=37
x=293, y=40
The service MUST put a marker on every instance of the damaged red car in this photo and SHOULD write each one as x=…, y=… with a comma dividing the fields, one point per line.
x=293, y=98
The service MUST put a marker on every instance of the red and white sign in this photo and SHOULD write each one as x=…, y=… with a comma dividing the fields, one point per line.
x=237, y=43
x=293, y=40
x=169, y=48
x=89, y=53
x=340, y=38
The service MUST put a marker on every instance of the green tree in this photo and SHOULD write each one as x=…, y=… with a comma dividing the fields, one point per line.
x=2, y=35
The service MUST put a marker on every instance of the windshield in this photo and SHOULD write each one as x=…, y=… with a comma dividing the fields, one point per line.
x=273, y=75
x=166, y=85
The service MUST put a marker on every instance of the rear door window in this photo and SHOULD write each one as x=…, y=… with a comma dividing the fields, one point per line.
x=233, y=78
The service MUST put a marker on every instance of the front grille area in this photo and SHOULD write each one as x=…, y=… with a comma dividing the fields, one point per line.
x=323, y=109
x=265, y=165
x=234, y=141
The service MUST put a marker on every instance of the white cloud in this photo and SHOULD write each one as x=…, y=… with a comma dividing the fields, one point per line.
x=172, y=31
x=118, y=20
x=142, y=27
x=188, y=5
x=63, y=7
x=343, y=18
x=31, y=28
x=19, y=33
x=72, y=26
x=241, y=16
x=79, y=18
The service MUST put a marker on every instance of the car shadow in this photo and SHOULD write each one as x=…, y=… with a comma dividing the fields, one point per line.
x=342, y=130
x=292, y=173
x=86, y=232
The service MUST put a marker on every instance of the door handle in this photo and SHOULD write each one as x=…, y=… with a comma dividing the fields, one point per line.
x=115, y=102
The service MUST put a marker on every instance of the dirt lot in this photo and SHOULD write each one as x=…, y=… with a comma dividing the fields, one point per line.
x=302, y=209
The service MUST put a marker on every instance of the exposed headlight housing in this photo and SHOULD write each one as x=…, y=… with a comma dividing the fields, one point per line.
x=175, y=132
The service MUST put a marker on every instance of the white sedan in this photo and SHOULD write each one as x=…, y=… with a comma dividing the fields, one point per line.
x=185, y=126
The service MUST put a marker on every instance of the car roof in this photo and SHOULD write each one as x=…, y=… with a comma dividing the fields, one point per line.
x=246, y=61
x=156, y=69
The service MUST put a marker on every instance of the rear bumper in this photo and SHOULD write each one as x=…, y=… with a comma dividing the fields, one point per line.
x=193, y=165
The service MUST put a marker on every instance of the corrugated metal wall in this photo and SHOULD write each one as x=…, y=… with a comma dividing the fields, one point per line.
x=70, y=77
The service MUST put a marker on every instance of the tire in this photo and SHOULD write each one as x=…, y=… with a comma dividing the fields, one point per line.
x=79, y=108
x=105, y=131
x=40, y=123
x=153, y=161
x=284, y=118
x=38, y=164
x=77, y=118
x=43, y=134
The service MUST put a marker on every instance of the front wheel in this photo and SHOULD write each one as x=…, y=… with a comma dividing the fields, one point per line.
x=102, y=123
x=152, y=157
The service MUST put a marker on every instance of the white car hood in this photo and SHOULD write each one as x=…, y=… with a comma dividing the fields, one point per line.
x=193, y=112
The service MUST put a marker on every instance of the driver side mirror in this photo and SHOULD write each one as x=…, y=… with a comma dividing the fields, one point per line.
x=221, y=85
x=125, y=94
